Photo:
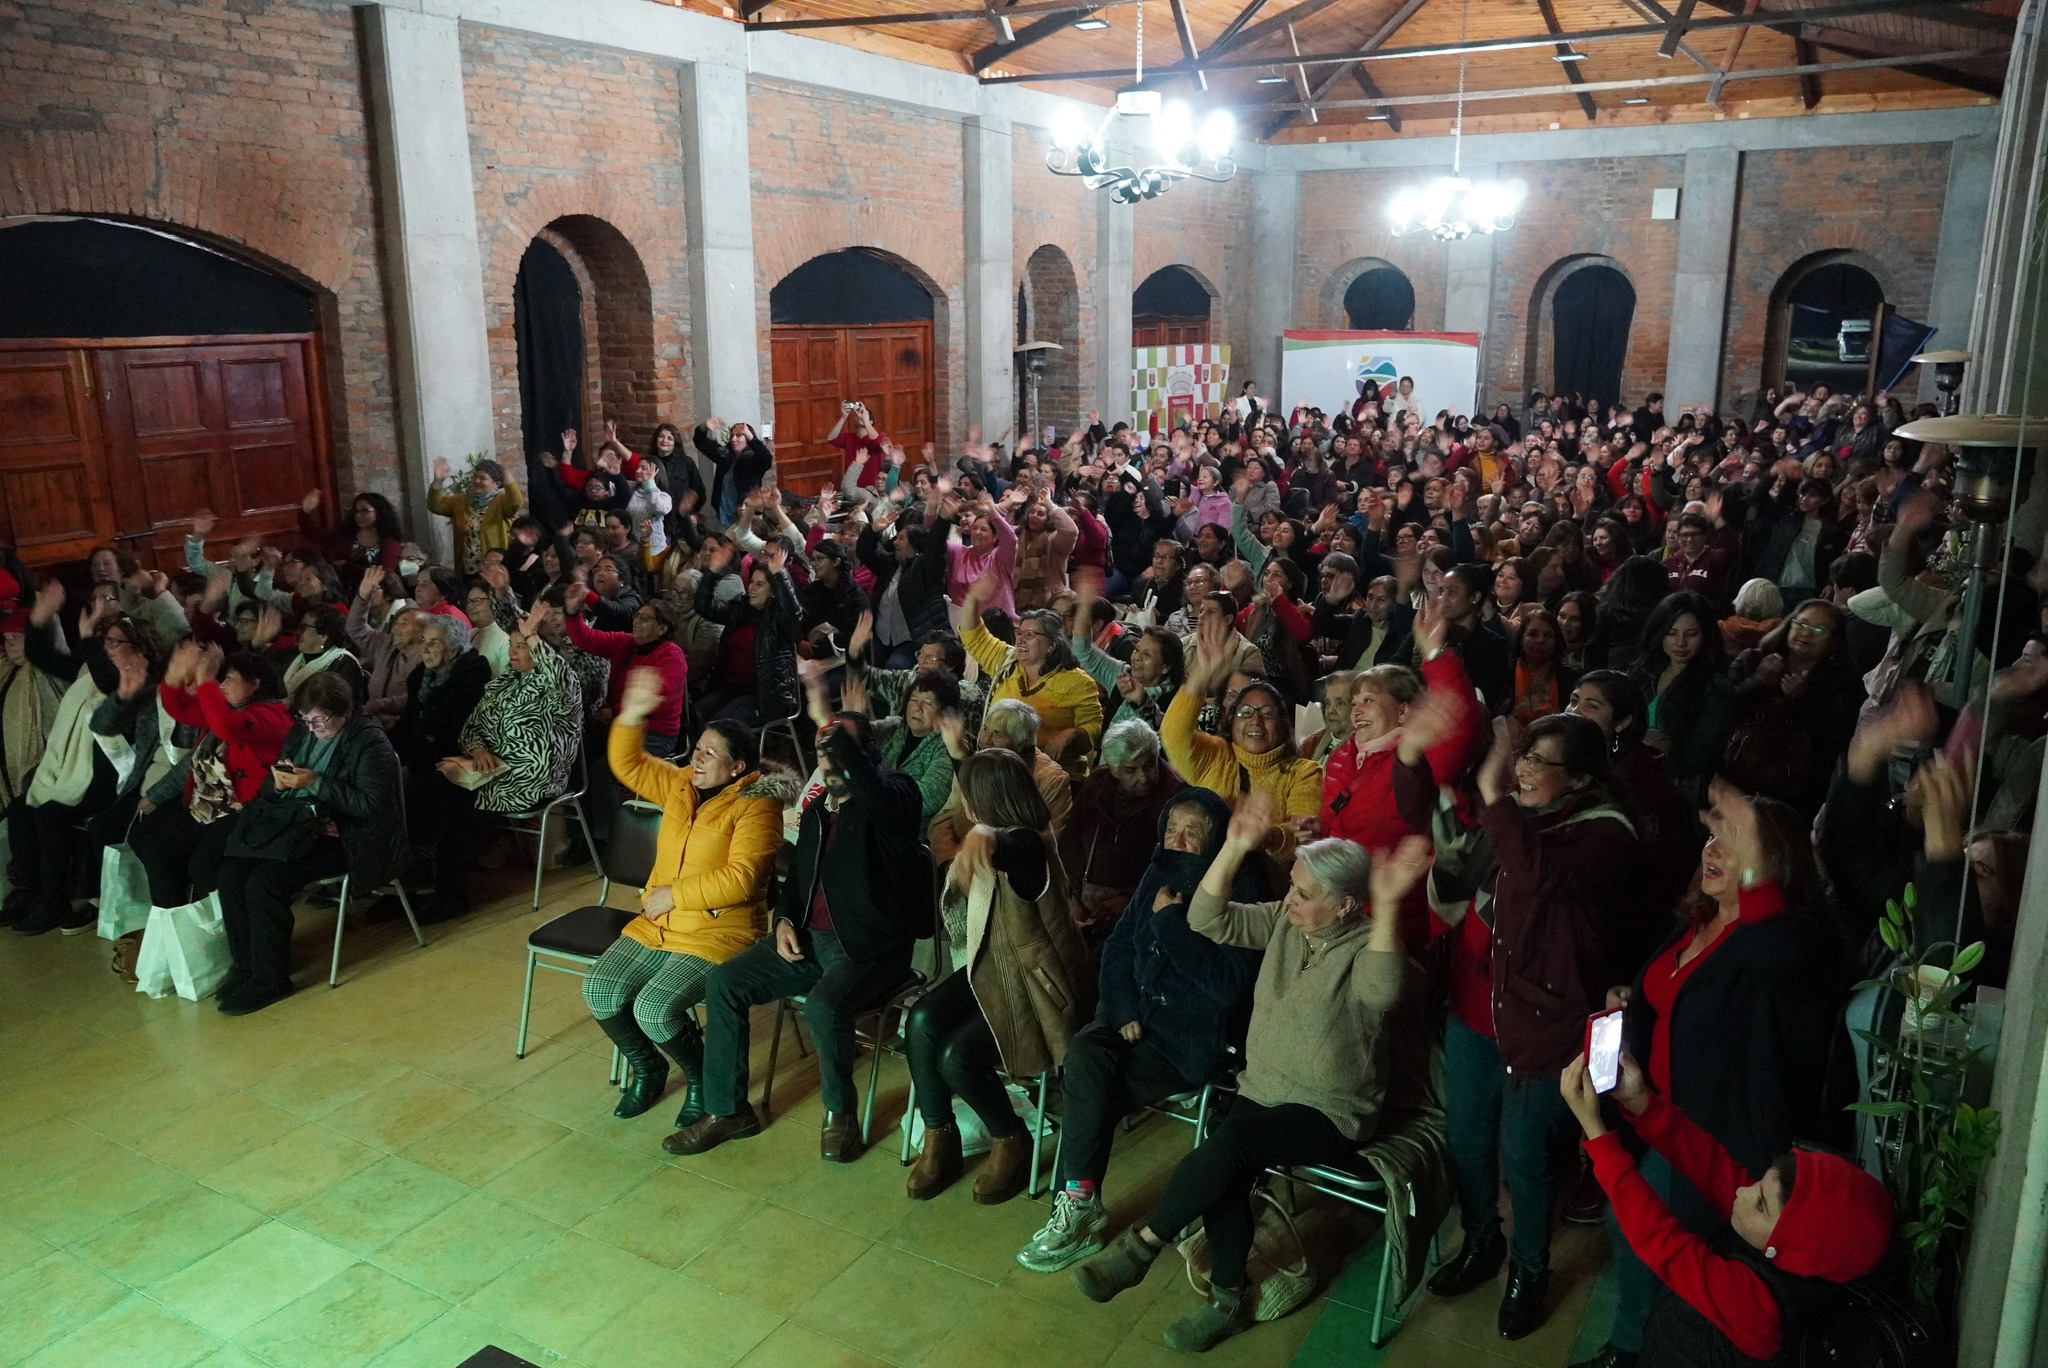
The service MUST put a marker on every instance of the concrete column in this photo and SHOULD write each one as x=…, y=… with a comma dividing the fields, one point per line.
x=1960, y=251
x=1999, y=1311
x=1699, y=293
x=1468, y=289
x=718, y=208
x=989, y=291
x=1276, y=202
x=440, y=342
x=1115, y=257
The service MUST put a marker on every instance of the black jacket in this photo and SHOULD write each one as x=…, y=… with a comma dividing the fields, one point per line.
x=877, y=876
x=1397, y=649
x=1755, y=1033
x=1489, y=663
x=743, y=469
x=429, y=729
x=359, y=791
x=1773, y=527
x=923, y=595
x=776, y=692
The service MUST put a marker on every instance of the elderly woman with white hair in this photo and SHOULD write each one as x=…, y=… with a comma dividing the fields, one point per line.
x=441, y=693
x=1316, y=1057
x=1009, y=724
x=1758, y=608
x=1110, y=839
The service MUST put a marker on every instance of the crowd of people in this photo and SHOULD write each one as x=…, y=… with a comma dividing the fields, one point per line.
x=1281, y=753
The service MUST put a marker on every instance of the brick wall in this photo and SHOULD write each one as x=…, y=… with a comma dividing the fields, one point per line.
x=239, y=123
x=1341, y=228
x=1207, y=228
x=585, y=145
x=1056, y=212
x=833, y=171
x=1882, y=203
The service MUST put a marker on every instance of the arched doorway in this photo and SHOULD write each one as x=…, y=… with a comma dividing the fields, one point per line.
x=1170, y=308
x=145, y=374
x=1823, y=311
x=1380, y=297
x=1049, y=310
x=1590, y=313
x=852, y=324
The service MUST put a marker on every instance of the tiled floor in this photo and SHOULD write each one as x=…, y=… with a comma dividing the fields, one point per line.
x=367, y=1176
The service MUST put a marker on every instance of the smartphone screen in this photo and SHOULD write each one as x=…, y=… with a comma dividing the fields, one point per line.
x=1603, y=1050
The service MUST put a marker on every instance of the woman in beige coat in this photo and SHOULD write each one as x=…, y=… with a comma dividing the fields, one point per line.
x=1020, y=993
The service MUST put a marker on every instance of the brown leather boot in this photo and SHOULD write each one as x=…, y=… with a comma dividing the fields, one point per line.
x=1003, y=1173
x=937, y=1165
x=840, y=1140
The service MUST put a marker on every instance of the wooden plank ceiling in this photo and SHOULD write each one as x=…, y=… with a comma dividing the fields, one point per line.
x=1699, y=63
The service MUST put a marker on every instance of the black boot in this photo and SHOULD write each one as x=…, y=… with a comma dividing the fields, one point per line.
x=646, y=1070
x=687, y=1050
x=1476, y=1263
x=1521, y=1308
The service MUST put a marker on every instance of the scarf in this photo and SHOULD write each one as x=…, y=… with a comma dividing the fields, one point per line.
x=473, y=531
x=303, y=666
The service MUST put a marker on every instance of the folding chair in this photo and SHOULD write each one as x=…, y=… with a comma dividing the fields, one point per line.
x=898, y=1000
x=784, y=728
x=570, y=944
x=579, y=784
x=345, y=882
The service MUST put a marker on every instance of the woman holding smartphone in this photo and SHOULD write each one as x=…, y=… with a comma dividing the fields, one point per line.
x=330, y=806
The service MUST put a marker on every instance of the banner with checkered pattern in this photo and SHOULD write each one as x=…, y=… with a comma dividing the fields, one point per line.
x=1172, y=385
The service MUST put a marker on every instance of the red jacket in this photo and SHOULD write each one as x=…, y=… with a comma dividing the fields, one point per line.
x=1729, y=1293
x=1359, y=801
x=254, y=735
x=625, y=655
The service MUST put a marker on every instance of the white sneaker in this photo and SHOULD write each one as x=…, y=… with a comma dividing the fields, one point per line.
x=1074, y=1233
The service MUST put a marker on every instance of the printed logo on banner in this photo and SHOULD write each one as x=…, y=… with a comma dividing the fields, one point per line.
x=1379, y=368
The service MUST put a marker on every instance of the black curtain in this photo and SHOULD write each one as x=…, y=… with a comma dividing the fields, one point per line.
x=547, y=328
x=1170, y=292
x=848, y=287
x=1380, y=298
x=92, y=278
x=1590, y=316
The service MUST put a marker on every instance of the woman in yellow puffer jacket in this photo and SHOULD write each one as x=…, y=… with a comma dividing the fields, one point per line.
x=706, y=898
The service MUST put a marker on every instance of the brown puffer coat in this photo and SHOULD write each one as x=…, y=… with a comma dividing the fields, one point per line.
x=1028, y=968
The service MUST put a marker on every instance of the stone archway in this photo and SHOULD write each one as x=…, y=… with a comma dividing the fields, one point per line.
x=1540, y=354
x=1051, y=312
x=1809, y=334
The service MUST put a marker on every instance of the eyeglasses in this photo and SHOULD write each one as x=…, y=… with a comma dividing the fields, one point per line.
x=1811, y=628
x=1532, y=758
x=1247, y=711
x=318, y=719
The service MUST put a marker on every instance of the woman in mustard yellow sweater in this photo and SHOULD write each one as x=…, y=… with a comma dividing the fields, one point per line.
x=706, y=898
x=1040, y=671
x=1258, y=757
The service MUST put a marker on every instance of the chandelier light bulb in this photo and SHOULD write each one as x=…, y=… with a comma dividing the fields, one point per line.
x=1219, y=131
x=1069, y=128
x=1173, y=128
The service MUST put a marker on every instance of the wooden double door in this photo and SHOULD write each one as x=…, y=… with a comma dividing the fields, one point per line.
x=1169, y=332
x=119, y=442
x=817, y=367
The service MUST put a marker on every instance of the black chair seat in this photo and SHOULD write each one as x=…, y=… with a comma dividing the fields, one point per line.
x=588, y=931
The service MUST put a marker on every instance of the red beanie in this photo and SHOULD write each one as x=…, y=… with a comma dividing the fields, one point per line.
x=13, y=617
x=1837, y=1224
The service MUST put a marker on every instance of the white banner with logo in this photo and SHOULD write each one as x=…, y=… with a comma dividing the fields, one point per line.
x=1329, y=369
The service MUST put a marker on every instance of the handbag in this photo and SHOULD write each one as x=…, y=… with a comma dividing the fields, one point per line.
x=184, y=951
x=1278, y=1275
x=124, y=893
x=275, y=829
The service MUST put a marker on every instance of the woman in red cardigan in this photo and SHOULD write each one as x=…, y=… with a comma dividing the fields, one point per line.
x=651, y=643
x=182, y=824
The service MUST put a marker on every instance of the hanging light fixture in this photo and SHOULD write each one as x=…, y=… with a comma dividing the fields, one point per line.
x=1080, y=147
x=1453, y=207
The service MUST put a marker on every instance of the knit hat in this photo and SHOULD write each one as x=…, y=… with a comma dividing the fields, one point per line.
x=1837, y=1224
x=13, y=617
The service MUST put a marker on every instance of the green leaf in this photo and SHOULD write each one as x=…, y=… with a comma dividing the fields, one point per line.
x=1912, y=898
x=1972, y=956
x=1881, y=1108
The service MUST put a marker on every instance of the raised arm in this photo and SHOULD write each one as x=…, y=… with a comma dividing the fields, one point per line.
x=1211, y=913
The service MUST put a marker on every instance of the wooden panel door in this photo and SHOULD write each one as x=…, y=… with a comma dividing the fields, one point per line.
x=230, y=426
x=816, y=368
x=1169, y=332
x=53, y=478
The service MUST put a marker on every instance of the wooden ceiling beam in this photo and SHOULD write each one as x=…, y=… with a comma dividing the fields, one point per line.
x=1328, y=82
x=951, y=16
x=1572, y=73
x=1809, y=80
x=1734, y=51
x=1842, y=9
x=1373, y=92
x=1855, y=44
x=1189, y=52
x=1035, y=32
x=1229, y=37
x=1656, y=13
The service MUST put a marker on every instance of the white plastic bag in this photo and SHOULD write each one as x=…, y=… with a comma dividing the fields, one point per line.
x=184, y=951
x=124, y=893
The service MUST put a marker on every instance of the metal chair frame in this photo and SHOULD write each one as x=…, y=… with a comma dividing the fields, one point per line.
x=1367, y=1192
x=900, y=1002
x=1038, y=1132
x=572, y=798
x=345, y=882
x=562, y=962
x=783, y=727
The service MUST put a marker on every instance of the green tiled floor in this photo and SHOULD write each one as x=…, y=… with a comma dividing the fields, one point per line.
x=367, y=1178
